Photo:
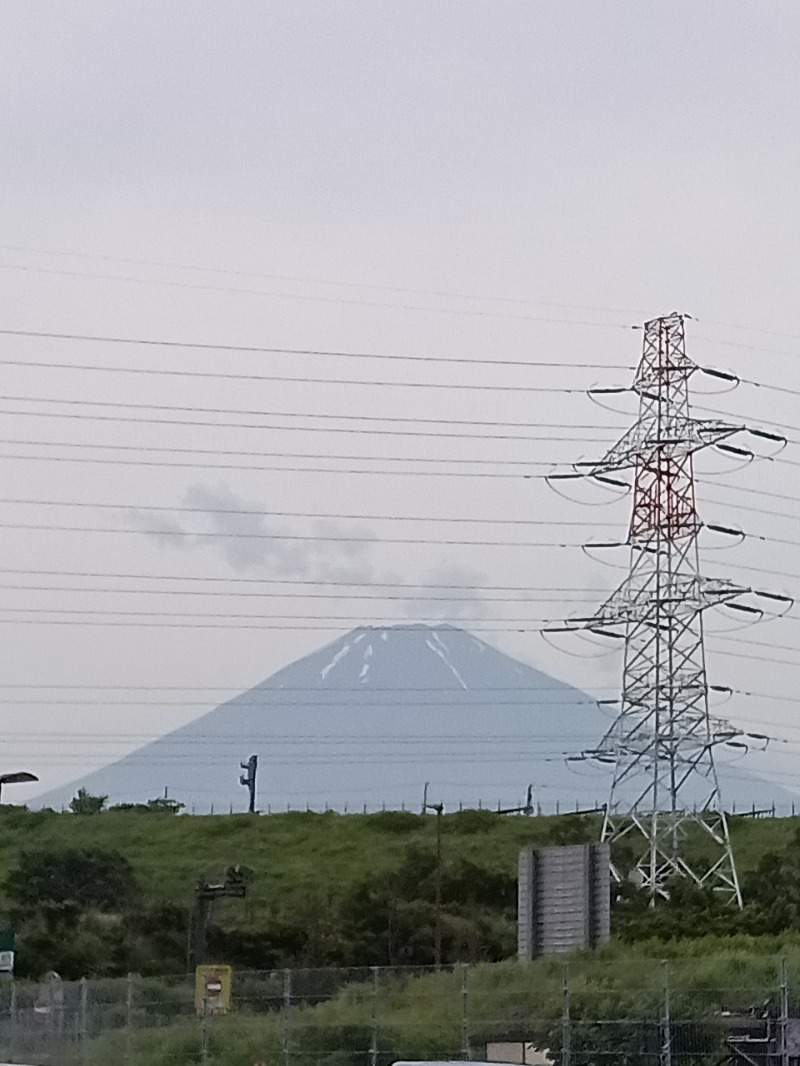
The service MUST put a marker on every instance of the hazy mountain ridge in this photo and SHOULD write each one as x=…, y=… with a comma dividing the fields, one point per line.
x=372, y=716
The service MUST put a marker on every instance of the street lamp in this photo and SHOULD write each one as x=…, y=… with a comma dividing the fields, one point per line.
x=18, y=778
x=437, y=935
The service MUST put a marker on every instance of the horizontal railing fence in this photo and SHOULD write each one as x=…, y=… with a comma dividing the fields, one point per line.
x=590, y=1012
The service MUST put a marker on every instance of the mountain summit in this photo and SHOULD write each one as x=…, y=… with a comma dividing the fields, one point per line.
x=371, y=717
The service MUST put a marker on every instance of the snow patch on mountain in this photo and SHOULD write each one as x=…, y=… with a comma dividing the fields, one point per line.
x=340, y=654
x=441, y=651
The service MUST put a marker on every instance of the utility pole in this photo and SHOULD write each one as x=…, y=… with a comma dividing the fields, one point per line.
x=234, y=886
x=662, y=742
x=248, y=779
x=437, y=919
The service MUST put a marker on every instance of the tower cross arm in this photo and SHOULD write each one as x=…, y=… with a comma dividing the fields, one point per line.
x=633, y=603
x=649, y=438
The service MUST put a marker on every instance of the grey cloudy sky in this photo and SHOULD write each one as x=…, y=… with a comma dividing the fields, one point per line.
x=603, y=161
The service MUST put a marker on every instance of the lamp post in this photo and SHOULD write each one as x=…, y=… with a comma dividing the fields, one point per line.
x=18, y=778
x=439, y=809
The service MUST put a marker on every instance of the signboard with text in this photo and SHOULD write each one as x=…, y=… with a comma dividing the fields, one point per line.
x=212, y=989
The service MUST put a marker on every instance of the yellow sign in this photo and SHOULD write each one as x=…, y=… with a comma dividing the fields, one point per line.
x=212, y=989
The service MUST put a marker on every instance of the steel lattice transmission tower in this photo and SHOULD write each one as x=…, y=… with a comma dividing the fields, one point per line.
x=665, y=792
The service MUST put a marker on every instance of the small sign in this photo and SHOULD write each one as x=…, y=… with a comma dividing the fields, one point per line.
x=212, y=989
x=6, y=961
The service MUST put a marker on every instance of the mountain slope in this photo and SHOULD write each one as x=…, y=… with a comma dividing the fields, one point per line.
x=371, y=717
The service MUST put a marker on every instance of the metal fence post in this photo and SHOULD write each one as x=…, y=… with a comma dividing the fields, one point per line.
x=128, y=1018
x=465, y=1051
x=566, y=1024
x=287, y=1004
x=783, y=1047
x=666, y=1021
x=204, y=1028
x=13, y=1015
x=83, y=1022
x=373, y=1046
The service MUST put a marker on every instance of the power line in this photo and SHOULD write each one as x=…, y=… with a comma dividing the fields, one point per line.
x=763, y=570
x=316, y=582
x=307, y=297
x=404, y=290
x=329, y=626
x=325, y=415
x=323, y=626
x=312, y=696
x=338, y=353
x=315, y=538
x=161, y=613
x=258, y=512
x=755, y=643
x=309, y=739
x=743, y=347
x=755, y=510
x=341, y=538
x=40, y=364
x=338, y=516
x=412, y=690
x=318, y=281
x=419, y=597
x=170, y=449
x=756, y=492
x=257, y=349
x=397, y=758
x=184, y=465
x=358, y=431
x=732, y=325
x=335, y=537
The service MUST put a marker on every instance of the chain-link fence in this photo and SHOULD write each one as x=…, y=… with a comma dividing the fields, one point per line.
x=591, y=1012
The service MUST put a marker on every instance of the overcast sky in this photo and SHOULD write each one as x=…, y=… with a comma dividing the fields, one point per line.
x=467, y=180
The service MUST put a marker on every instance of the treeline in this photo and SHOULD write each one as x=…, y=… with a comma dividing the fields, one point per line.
x=112, y=893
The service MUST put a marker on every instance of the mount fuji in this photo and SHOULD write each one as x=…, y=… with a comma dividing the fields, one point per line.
x=370, y=718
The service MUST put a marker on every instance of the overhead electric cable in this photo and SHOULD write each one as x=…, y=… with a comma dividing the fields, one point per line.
x=316, y=582
x=358, y=431
x=323, y=416
x=338, y=353
x=314, y=538
x=258, y=512
x=316, y=281
x=185, y=465
x=82, y=445
x=22, y=268
x=40, y=364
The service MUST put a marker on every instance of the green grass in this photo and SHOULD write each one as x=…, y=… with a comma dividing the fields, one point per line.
x=290, y=853
x=425, y=1015
x=296, y=855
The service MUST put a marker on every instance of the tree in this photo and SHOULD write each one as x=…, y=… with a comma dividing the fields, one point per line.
x=77, y=878
x=772, y=890
x=85, y=803
x=390, y=916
